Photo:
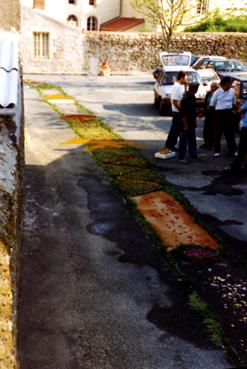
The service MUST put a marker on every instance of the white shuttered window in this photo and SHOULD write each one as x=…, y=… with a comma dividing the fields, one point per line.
x=41, y=45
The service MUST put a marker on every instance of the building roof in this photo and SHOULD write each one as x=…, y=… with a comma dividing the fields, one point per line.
x=121, y=24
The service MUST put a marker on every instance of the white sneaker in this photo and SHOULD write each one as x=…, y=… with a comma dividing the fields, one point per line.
x=216, y=154
x=169, y=155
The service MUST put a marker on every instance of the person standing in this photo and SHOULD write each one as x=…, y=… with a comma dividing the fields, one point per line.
x=177, y=92
x=223, y=101
x=242, y=147
x=188, y=128
x=208, y=127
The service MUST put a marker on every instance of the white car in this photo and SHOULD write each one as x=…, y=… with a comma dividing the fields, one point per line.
x=165, y=81
x=173, y=62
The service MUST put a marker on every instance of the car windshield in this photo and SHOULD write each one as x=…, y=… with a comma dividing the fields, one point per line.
x=171, y=77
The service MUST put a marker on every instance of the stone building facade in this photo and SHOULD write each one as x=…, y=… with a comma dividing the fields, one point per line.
x=10, y=15
x=49, y=46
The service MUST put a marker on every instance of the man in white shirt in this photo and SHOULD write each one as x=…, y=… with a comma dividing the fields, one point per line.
x=223, y=101
x=177, y=93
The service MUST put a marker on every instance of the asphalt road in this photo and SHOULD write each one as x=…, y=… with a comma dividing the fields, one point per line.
x=92, y=293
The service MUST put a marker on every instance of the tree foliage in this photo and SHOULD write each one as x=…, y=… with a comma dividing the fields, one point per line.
x=168, y=14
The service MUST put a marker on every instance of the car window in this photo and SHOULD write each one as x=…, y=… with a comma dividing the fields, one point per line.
x=244, y=90
x=204, y=64
x=237, y=65
x=221, y=65
x=179, y=60
x=193, y=77
x=194, y=58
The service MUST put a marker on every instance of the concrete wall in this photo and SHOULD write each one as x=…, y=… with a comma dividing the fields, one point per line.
x=10, y=15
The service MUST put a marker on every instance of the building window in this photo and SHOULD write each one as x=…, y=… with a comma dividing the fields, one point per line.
x=41, y=45
x=202, y=6
x=72, y=2
x=92, y=24
x=92, y=2
x=72, y=19
x=39, y=4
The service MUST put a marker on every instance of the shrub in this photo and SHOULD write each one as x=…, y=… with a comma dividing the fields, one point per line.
x=217, y=23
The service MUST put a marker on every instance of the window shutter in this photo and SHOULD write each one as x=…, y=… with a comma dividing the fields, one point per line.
x=39, y=4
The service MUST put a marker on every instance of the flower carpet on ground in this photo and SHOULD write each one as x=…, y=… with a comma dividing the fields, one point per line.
x=57, y=97
x=173, y=225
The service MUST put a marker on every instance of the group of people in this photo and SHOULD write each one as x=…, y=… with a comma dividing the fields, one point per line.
x=218, y=111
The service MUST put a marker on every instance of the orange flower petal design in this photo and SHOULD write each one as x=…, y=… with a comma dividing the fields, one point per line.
x=172, y=224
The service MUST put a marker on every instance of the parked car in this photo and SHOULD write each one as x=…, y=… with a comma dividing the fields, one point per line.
x=221, y=66
x=201, y=59
x=166, y=79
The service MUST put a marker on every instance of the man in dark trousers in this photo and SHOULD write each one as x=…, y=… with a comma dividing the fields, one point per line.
x=223, y=101
x=208, y=128
x=188, y=129
x=177, y=92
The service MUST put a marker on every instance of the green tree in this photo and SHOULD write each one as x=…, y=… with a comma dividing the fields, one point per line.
x=168, y=14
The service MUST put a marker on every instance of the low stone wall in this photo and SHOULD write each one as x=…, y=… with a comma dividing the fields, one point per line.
x=140, y=51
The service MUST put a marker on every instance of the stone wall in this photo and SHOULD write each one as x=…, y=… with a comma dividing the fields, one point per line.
x=10, y=15
x=140, y=52
x=65, y=44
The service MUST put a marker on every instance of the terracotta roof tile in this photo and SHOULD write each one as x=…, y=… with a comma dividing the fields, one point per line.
x=121, y=24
